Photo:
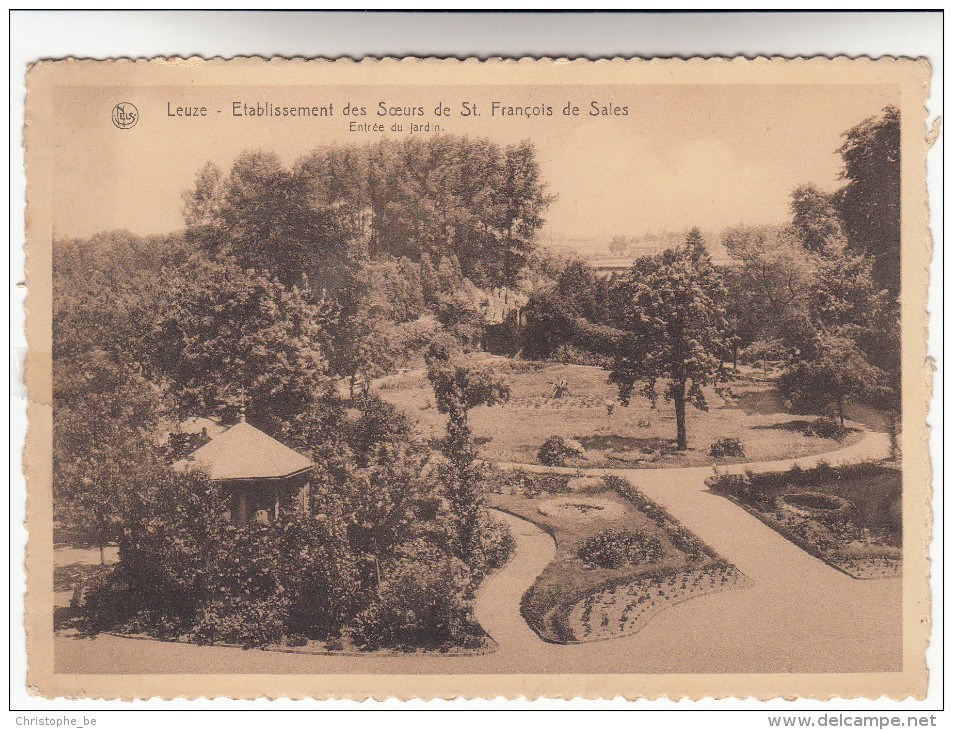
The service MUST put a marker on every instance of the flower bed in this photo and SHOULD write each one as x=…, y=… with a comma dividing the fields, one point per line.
x=615, y=567
x=624, y=609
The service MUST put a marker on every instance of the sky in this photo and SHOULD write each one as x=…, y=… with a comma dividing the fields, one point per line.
x=681, y=156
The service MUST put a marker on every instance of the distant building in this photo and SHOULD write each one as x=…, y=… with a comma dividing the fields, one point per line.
x=607, y=266
x=258, y=474
x=610, y=266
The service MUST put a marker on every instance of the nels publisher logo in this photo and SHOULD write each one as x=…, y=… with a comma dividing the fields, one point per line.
x=125, y=115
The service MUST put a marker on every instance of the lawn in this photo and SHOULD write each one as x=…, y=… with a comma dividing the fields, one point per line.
x=574, y=599
x=748, y=408
x=849, y=516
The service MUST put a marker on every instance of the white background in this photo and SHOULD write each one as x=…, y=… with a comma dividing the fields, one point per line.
x=35, y=35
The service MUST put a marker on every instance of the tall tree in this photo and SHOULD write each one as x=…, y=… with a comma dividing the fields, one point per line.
x=814, y=218
x=523, y=202
x=105, y=424
x=770, y=283
x=227, y=338
x=675, y=319
x=870, y=202
x=264, y=216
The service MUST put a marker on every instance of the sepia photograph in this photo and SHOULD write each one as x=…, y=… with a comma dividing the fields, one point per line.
x=454, y=369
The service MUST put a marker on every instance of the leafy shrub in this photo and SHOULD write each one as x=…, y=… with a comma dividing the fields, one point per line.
x=412, y=338
x=615, y=548
x=442, y=347
x=420, y=602
x=297, y=640
x=364, y=560
x=243, y=621
x=108, y=601
x=681, y=538
x=746, y=488
x=459, y=316
x=496, y=543
x=379, y=422
x=556, y=450
x=826, y=428
x=530, y=484
x=727, y=446
x=509, y=365
x=757, y=352
x=569, y=355
x=731, y=484
x=184, y=569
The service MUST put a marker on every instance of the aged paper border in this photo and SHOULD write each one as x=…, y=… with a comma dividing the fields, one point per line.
x=912, y=77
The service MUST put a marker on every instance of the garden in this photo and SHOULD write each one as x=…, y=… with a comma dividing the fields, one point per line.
x=355, y=336
x=620, y=558
x=577, y=405
x=848, y=516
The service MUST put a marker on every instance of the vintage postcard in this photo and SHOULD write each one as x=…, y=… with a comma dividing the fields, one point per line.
x=435, y=378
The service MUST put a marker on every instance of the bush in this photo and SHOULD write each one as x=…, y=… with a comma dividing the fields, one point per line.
x=108, y=601
x=420, y=602
x=412, y=338
x=297, y=640
x=727, y=446
x=183, y=569
x=732, y=485
x=529, y=484
x=569, y=355
x=243, y=621
x=556, y=450
x=496, y=543
x=351, y=565
x=379, y=422
x=826, y=428
x=615, y=548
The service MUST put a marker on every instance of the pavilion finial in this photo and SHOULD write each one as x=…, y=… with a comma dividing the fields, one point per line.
x=241, y=405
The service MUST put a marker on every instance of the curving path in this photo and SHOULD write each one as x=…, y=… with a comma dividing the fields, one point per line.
x=800, y=616
x=497, y=606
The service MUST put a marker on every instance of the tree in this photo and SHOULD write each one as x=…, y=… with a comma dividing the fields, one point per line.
x=618, y=246
x=583, y=293
x=103, y=450
x=523, y=202
x=264, y=216
x=675, y=319
x=844, y=293
x=459, y=386
x=106, y=410
x=547, y=325
x=828, y=376
x=770, y=285
x=870, y=202
x=814, y=218
x=227, y=338
x=379, y=498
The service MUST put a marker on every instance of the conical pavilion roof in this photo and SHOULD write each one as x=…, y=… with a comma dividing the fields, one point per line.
x=244, y=452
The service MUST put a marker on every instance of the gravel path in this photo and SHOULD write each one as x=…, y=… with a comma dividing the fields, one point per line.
x=497, y=607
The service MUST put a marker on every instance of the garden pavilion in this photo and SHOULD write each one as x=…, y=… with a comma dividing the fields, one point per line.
x=258, y=474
